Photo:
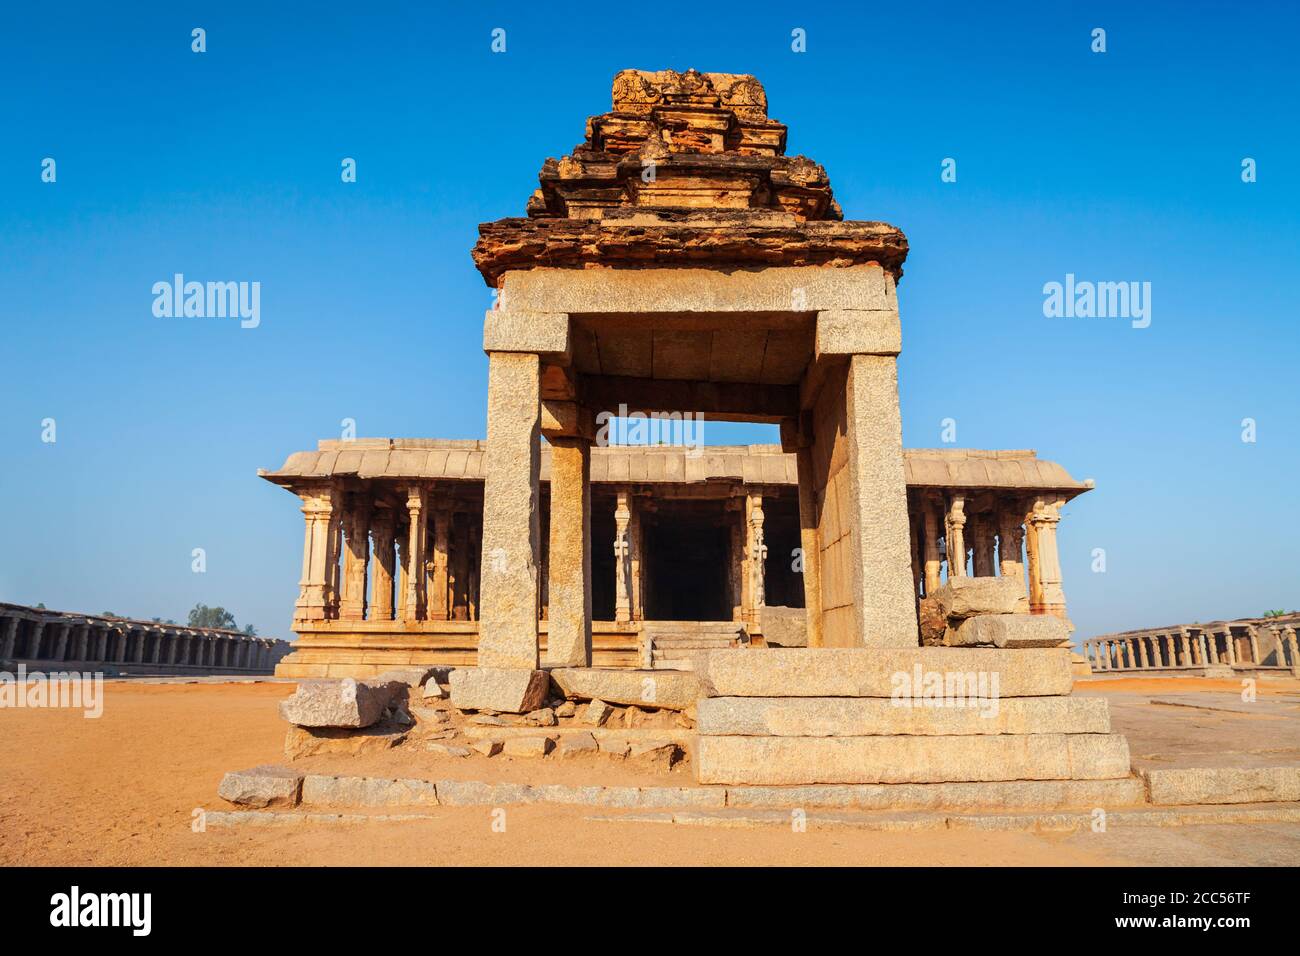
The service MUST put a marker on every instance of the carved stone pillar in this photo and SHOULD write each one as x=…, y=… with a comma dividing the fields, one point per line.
x=622, y=558
x=460, y=566
x=956, y=537
x=757, y=551
x=1043, y=518
x=8, y=638
x=441, y=580
x=382, y=532
x=413, y=605
x=982, y=532
x=1254, y=644
x=1011, y=539
x=314, y=596
x=930, y=513
x=356, y=559
x=1142, y=651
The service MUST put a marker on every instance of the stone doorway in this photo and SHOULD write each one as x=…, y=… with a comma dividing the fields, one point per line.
x=688, y=561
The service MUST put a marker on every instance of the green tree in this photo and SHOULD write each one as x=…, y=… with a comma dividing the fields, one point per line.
x=250, y=630
x=203, y=616
x=1278, y=613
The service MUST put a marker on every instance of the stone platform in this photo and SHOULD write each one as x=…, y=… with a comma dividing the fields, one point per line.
x=926, y=715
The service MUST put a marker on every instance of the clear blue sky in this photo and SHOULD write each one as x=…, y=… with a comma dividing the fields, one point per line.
x=1117, y=166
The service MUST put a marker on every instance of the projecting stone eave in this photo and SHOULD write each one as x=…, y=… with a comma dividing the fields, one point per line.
x=717, y=239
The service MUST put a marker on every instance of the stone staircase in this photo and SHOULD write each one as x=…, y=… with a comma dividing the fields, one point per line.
x=678, y=645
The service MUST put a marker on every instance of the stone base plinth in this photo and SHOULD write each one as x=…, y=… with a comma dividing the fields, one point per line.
x=887, y=672
x=785, y=761
x=873, y=716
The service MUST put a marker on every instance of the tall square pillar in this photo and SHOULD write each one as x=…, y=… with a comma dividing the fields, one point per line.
x=509, y=576
x=568, y=641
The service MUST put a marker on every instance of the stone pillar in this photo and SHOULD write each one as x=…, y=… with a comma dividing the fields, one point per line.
x=1043, y=517
x=809, y=550
x=61, y=641
x=1230, y=643
x=508, y=602
x=622, y=557
x=155, y=656
x=1142, y=652
x=982, y=540
x=1291, y=646
x=440, y=581
x=381, y=585
x=356, y=559
x=314, y=597
x=956, y=537
x=8, y=638
x=757, y=552
x=568, y=641
x=636, y=563
x=930, y=544
x=413, y=601
x=1011, y=537
x=460, y=565
x=1254, y=644
x=34, y=642
x=1186, y=644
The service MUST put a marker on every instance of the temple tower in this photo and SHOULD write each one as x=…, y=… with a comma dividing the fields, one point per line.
x=677, y=261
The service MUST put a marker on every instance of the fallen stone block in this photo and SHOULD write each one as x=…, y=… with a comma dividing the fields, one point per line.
x=488, y=748
x=613, y=746
x=576, y=745
x=434, y=691
x=885, y=671
x=876, y=716
x=430, y=715
x=339, y=703
x=965, y=597
x=540, y=718
x=657, y=755
x=597, y=713
x=566, y=709
x=527, y=746
x=932, y=620
x=784, y=761
x=506, y=689
x=309, y=741
x=1009, y=630
x=671, y=690
x=1223, y=785
x=265, y=786
x=330, y=791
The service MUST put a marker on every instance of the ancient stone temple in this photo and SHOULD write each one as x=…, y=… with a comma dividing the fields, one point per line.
x=692, y=549
x=678, y=263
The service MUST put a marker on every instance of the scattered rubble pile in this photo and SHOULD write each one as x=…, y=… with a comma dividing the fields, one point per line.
x=987, y=612
x=449, y=713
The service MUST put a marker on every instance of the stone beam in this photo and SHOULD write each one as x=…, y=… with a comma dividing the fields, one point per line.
x=731, y=400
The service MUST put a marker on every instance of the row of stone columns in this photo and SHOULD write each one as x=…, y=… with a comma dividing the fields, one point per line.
x=994, y=541
x=1192, y=646
x=27, y=635
x=372, y=556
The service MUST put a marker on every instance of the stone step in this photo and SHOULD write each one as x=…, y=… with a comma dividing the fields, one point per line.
x=875, y=716
x=693, y=640
x=887, y=672
x=785, y=761
x=1223, y=784
x=987, y=795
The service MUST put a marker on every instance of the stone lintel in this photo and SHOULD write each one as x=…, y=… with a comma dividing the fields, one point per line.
x=858, y=332
x=685, y=289
x=563, y=419
x=543, y=333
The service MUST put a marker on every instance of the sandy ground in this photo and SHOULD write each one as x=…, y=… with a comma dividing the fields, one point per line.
x=123, y=789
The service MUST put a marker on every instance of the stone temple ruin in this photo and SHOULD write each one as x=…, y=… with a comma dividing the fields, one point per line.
x=676, y=262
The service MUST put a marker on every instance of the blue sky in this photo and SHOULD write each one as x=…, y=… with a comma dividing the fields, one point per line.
x=1122, y=166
